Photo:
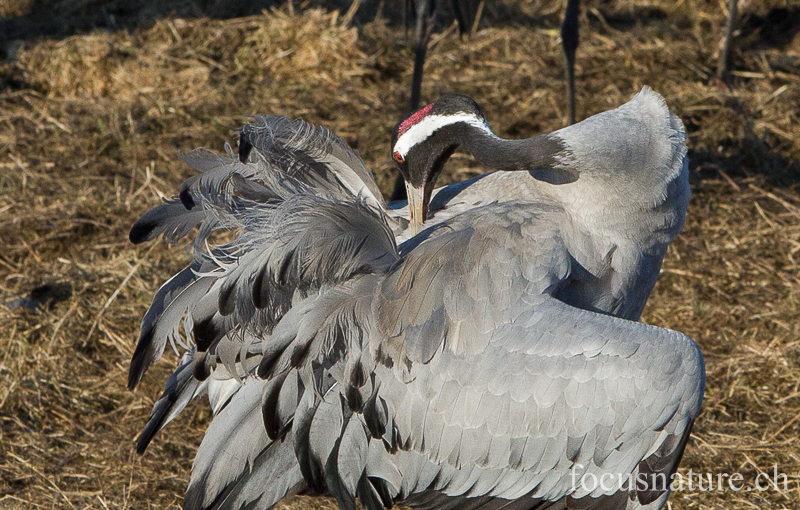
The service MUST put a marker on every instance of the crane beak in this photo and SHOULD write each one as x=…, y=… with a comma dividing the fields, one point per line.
x=417, y=207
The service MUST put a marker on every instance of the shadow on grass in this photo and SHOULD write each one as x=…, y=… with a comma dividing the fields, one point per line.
x=775, y=30
x=751, y=158
x=64, y=18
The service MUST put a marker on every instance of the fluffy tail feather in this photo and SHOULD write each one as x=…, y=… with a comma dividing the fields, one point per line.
x=310, y=155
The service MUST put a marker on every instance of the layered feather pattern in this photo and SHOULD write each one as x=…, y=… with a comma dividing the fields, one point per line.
x=450, y=372
x=279, y=158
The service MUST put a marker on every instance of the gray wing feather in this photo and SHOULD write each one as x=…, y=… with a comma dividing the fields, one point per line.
x=312, y=154
x=273, y=476
x=162, y=320
x=181, y=388
x=458, y=301
x=230, y=446
x=178, y=217
x=301, y=244
x=220, y=392
x=555, y=443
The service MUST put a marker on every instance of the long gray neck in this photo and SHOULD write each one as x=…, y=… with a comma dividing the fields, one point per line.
x=537, y=153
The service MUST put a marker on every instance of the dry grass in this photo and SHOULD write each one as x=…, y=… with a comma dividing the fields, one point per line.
x=89, y=129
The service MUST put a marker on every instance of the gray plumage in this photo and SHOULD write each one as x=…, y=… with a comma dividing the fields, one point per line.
x=283, y=157
x=468, y=367
x=308, y=154
x=181, y=388
x=628, y=202
x=572, y=389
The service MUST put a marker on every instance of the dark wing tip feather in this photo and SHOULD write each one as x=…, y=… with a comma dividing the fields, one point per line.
x=142, y=230
x=258, y=292
x=227, y=298
x=155, y=424
x=206, y=332
x=139, y=362
x=178, y=392
x=354, y=400
x=245, y=146
x=375, y=414
x=186, y=197
x=267, y=364
x=172, y=219
x=200, y=367
x=370, y=498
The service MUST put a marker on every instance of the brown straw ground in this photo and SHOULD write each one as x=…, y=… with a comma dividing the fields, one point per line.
x=91, y=119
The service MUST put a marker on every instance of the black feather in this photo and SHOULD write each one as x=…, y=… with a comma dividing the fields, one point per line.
x=299, y=354
x=383, y=491
x=171, y=219
x=267, y=364
x=227, y=298
x=358, y=376
x=283, y=272
x=186, y=197
x=200, y=368
x=269, y=406
x=141, y=231
x=244, y=146
x=259, y=291
x=354, y=400
x=367, y=494
x=375, y=414
x=139, y=361
x=206, y=332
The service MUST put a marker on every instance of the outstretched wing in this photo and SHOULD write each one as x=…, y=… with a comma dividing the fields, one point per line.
x=280, y=159
x=558, y=394
x=286, y=249
x=475, y=386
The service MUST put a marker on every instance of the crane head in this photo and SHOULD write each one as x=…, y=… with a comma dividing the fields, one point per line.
x=422, y=143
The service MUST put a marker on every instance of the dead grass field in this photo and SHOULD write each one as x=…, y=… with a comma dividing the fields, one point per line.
x=91, y=119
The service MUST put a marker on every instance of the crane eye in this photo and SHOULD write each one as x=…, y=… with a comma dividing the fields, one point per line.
x=398, y=157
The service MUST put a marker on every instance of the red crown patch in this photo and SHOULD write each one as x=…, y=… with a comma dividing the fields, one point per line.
x=413, y=119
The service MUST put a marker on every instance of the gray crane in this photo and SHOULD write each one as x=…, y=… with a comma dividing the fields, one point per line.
x=481, y=323
x=639, y=135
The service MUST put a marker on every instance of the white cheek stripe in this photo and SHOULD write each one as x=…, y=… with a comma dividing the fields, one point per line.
x=432, y=123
